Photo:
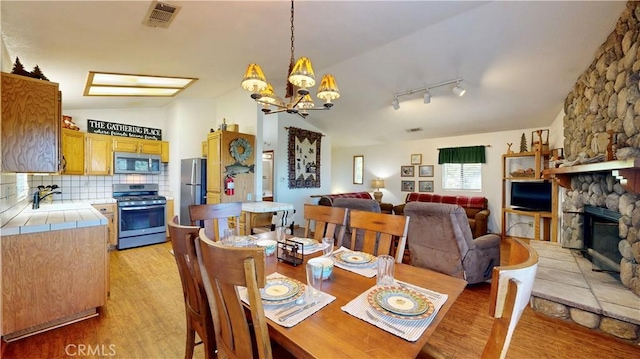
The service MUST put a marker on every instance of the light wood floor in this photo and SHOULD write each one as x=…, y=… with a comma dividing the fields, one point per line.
x=144, y=318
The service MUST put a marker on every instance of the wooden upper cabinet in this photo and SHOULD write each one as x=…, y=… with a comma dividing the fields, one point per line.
x=151, y=147
x=164, y=157
x=72, y=152
x=30, y=124
x=135, y=145
x=125, y=144
x=98, y=154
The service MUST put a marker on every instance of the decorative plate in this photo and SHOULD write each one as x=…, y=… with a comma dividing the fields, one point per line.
x=306, y=242
x=355, y=258
x=279, y=288
x=400, y=303
x=291, y=299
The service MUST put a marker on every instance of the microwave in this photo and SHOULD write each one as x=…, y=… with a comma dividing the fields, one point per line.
x=135, y=163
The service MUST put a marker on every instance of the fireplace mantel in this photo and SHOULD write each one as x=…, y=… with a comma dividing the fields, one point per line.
x=627, y=171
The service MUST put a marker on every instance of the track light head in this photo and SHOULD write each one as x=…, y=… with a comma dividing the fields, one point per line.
x=427, y=97
x=395, y=103
x=458, y=90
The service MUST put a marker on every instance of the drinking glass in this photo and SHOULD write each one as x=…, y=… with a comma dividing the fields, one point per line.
x=229, y=236
x=386, y=265
x=280, y=233
x=327, y=246
x=314, y=281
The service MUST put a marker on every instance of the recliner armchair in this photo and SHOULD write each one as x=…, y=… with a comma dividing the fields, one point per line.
x=440, y=239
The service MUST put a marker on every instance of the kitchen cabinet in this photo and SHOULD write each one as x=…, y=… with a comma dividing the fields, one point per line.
x=52, y=278
x=170, y=214
x=230, y=158
x=164, y=157
x=98, y=154
x=31, y=127
x=544, y=223
x=72, y=152
x=135, y=145
x=110, y=211
x=205, y=148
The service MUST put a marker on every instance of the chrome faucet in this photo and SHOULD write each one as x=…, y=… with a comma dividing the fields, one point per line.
x=37, y=198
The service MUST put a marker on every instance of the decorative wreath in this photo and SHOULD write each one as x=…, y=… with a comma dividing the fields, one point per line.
x=247, y=150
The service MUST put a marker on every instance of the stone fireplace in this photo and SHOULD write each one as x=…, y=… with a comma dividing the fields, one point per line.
x=603, y=191
x=604, y=104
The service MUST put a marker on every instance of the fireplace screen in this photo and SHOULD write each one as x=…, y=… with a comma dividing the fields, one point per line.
x=601, y=238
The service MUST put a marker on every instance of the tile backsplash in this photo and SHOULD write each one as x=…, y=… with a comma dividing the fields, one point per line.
x=16, y=189
x=96, y=187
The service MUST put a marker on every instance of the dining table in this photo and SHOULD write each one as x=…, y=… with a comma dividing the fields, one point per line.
x=331, y=332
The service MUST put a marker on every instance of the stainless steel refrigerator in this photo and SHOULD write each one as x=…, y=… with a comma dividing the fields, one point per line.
x=193, y=185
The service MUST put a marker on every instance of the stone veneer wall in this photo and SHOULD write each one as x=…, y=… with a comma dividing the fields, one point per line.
x=606, y=97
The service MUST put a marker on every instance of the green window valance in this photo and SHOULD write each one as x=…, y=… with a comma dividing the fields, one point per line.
x=471, y=154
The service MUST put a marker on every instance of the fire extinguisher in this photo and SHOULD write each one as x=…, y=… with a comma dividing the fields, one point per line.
x=229, y=186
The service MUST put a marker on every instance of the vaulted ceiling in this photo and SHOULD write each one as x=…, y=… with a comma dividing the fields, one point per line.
x=518, y=59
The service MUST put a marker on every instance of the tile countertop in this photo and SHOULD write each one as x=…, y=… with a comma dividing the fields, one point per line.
x=56, y=216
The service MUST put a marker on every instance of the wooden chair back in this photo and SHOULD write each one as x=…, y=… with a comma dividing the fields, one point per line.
x=326, y=219
x=216, y=217
x=196, y=304
x=379, y=230
x=510, y=292
x=223, y=269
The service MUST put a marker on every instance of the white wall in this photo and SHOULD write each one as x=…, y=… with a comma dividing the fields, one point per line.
x=384, y=161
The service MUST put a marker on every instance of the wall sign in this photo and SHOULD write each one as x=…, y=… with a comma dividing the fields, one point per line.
x=123, y=130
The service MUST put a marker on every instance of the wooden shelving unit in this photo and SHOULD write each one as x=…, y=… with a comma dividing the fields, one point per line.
x=545, y=224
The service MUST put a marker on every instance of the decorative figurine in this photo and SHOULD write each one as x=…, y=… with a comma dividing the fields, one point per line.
x=509, y=150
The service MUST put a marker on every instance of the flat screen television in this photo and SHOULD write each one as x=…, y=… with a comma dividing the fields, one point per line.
x=531, y=196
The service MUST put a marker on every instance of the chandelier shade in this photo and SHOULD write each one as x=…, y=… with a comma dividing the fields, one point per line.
x=299, y=75
x=328, y=89
x=302, y=73
x=254, y=79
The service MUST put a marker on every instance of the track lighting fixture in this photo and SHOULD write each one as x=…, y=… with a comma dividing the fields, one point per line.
x=426, y=98
x=395, y=103
x=458, y=90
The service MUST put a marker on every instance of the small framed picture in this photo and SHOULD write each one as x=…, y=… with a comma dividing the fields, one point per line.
x=408, y=186
x=416, y=159
x=425, y=186
x=407, y=171
x=425, y=171
x=358, y=169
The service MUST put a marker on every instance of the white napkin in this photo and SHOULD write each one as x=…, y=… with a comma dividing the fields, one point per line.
x=413, y=329
x=310, y=249
x=271, y=310
x=368, y=271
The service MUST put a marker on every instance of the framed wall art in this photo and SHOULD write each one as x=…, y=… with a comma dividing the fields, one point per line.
x=416, y=159
x=407, y=171
x=408, y=186
x=304, y=158
x=425, y=186
x=358, y=169
x=425, y=171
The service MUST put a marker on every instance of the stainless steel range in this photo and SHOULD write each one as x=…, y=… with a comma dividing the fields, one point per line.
x=141, y=214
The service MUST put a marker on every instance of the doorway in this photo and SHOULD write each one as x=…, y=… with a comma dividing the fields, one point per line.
x=267, y=176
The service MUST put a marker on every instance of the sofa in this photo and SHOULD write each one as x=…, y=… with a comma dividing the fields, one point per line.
x=476, y=208
x=440, y=240
x=327, y=200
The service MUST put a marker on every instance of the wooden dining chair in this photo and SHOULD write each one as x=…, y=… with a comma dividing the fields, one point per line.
x=196, y=305
x=216, y=217
x=511, y=287
x=379, y=230
x=223, y=269
x=325, y=219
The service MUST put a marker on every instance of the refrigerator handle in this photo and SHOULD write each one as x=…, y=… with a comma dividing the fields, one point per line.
x=193, y=171
x=193, y=195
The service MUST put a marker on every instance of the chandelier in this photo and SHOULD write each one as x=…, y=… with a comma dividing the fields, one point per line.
x=300, y=77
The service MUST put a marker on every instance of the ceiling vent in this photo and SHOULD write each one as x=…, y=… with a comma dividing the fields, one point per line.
x=160, y=14
x=417, y=129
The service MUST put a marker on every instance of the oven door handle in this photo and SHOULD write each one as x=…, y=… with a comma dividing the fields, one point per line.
x=142, y=207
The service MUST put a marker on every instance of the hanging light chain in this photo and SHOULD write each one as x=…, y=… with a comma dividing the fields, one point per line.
x=289, y=89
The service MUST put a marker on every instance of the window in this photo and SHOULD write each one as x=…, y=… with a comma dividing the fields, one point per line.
x=462, y=176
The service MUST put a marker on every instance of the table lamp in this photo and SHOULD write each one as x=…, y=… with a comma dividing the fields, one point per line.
x=377, y=184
